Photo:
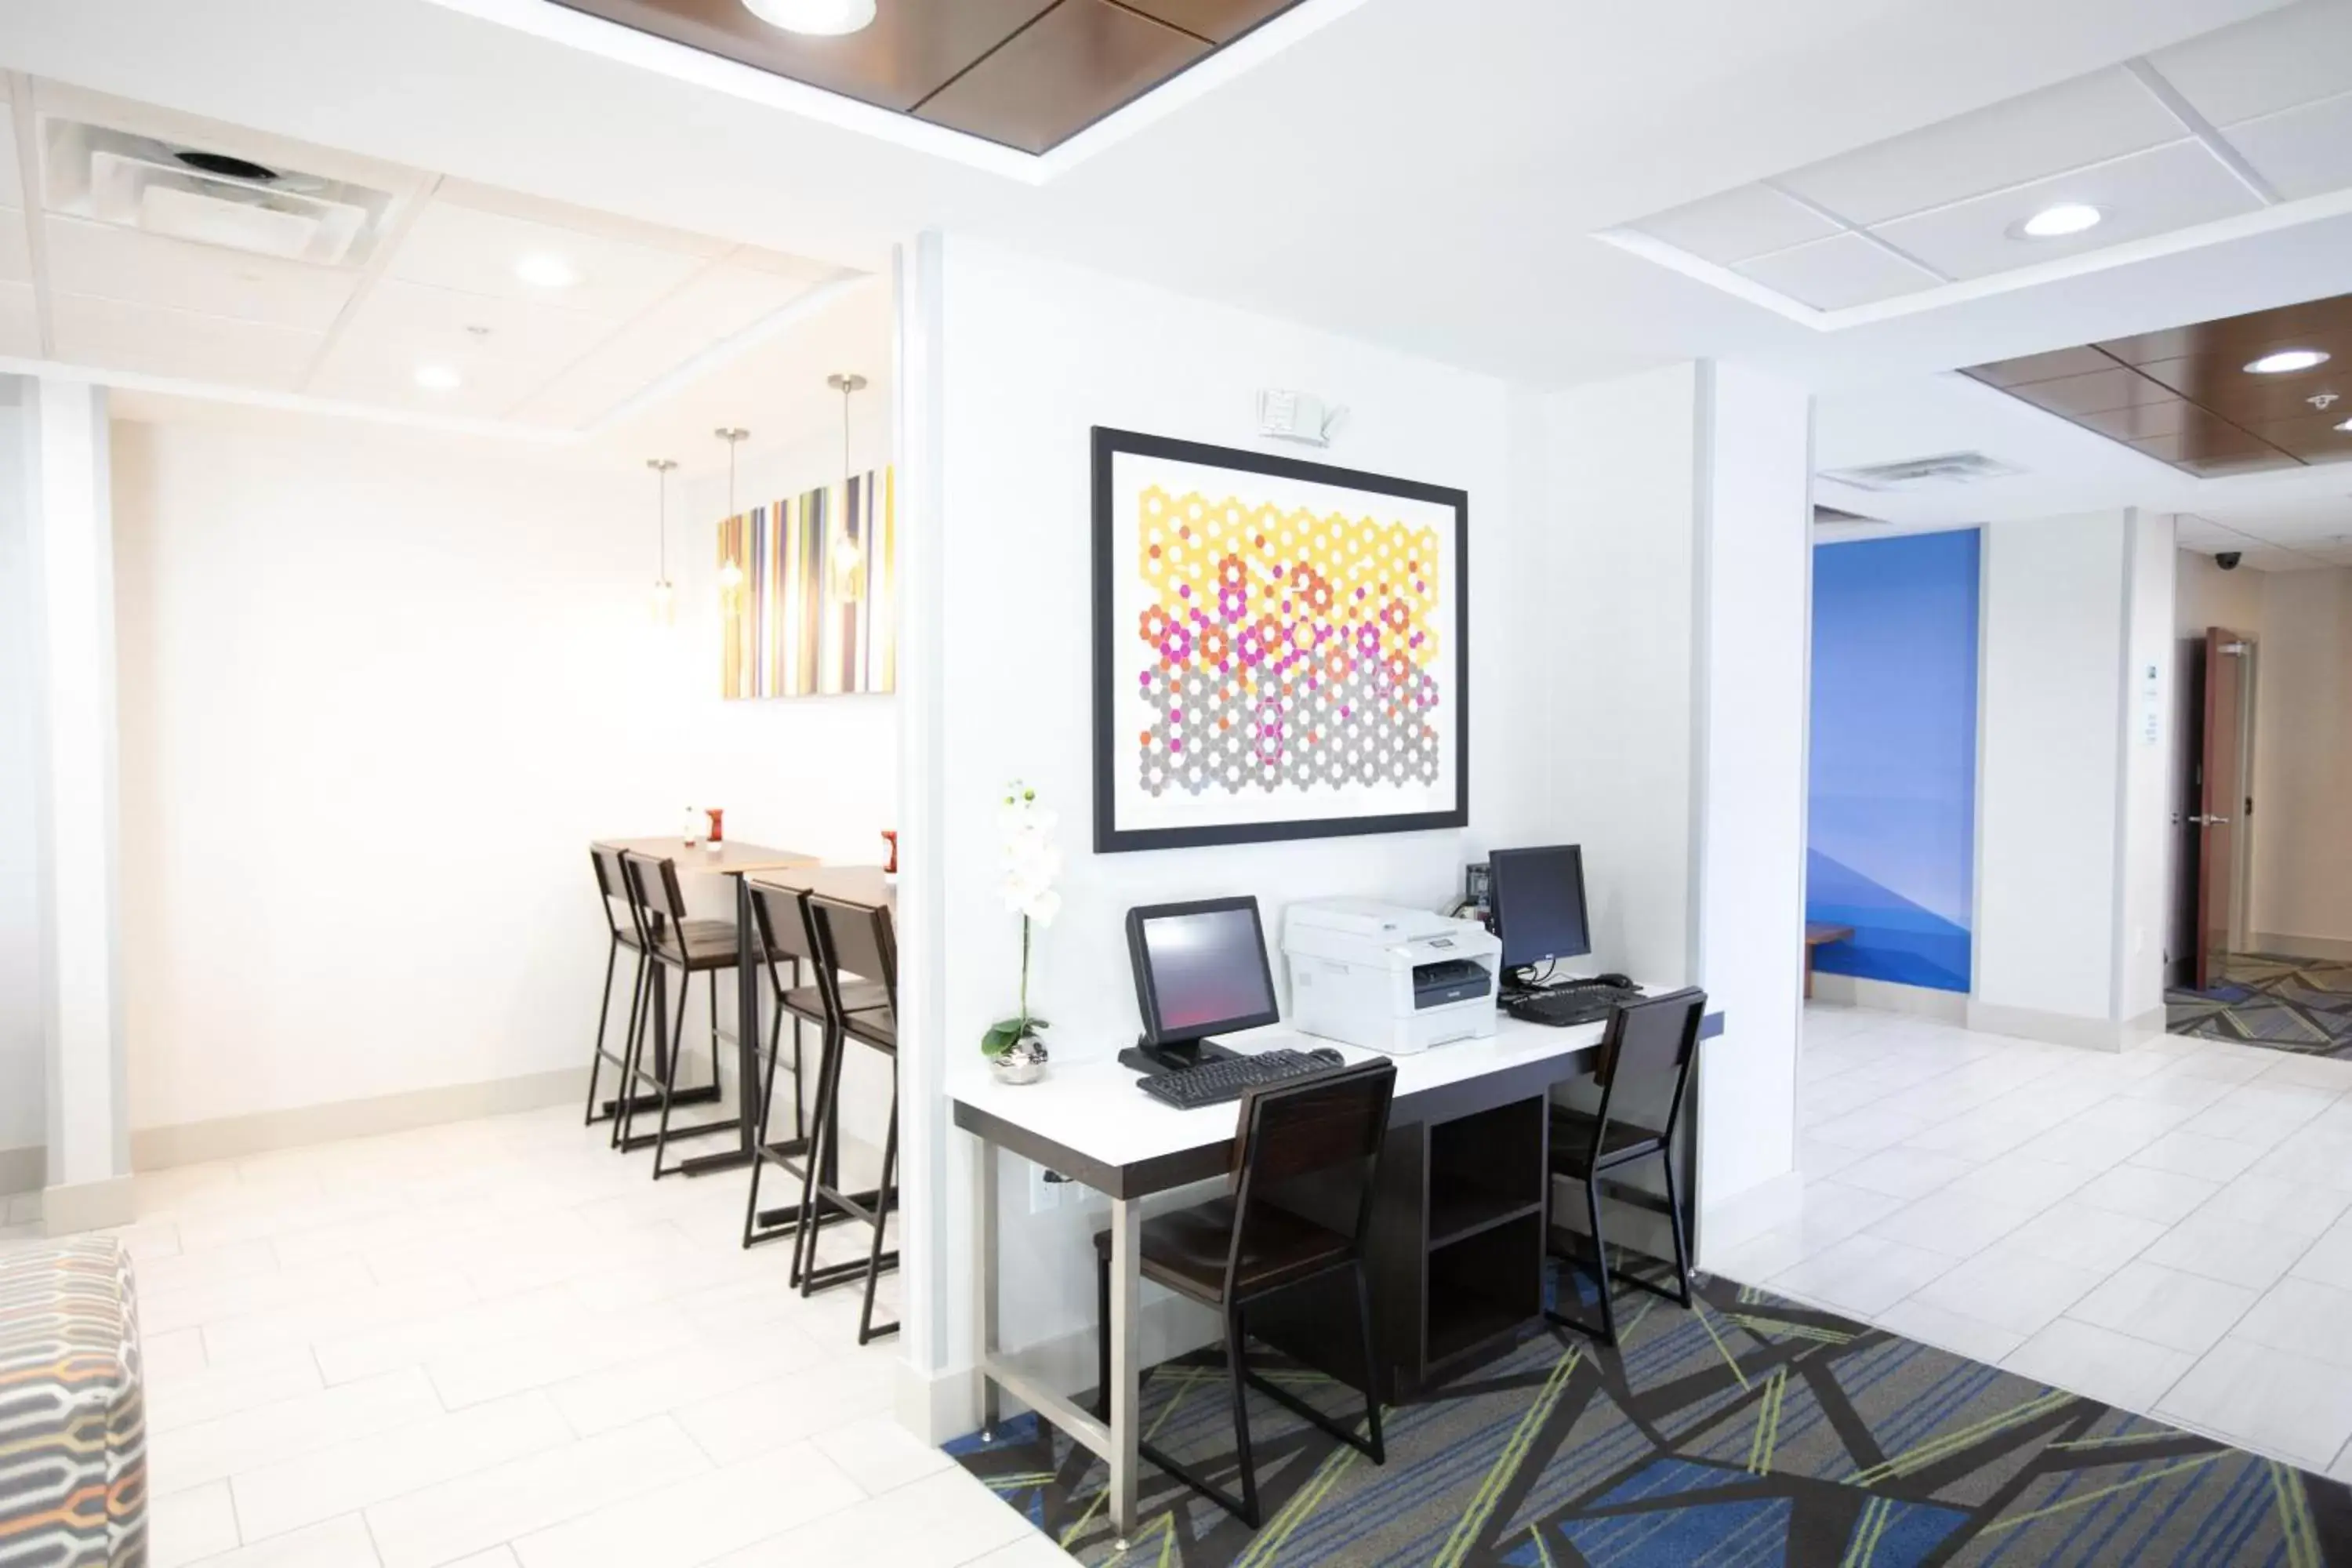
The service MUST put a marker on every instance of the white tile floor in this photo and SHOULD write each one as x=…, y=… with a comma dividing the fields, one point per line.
x=500, y=1345
x=2165, y=1230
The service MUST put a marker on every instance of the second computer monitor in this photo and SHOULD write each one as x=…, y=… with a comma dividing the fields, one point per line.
x=1538, y=904
x=1201, y=969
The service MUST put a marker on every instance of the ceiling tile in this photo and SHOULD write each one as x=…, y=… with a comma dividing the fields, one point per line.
x=1219, y=21
x=2221, y=382
x=16, y=248
x=2085, y=120
x=1076, y=63
x=12, y=187
x=723, y=301
x=1832, y=273
x=385, y=374
x=110, y=263
x=2147, y=194
x=2050, y=366
x=800, y=269
x=2305, y=151
x=2274, y=61
x=20, y=322
x=2314, y=437
x=912, y=49
x=119, y=335
x=1751, y=220
x=2237, y=339
x=2095, y=392
x=2166, y=416
x=438, y=324
x=453, y=246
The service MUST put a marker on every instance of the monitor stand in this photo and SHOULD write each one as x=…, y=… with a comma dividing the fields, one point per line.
x=1152, y=1060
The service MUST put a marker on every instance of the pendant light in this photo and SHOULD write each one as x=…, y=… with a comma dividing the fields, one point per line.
x=843, y=551
x=731, y=570
x=665, y=601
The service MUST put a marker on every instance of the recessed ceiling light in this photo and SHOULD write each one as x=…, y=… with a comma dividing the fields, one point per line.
x=2066, y=218
x=438, y=378
x=546, y=272
x=2288, y=360
x=825, y=18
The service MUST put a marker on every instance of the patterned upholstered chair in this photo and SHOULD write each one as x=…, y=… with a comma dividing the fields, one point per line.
x=73, y=1426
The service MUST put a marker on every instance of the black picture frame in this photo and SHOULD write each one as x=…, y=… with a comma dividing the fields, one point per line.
x=1109, y=838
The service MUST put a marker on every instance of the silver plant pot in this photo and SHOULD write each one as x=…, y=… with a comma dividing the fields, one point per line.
x=1023, y=1061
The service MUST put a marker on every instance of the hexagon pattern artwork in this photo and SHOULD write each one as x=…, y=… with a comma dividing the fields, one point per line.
x=1284, y=649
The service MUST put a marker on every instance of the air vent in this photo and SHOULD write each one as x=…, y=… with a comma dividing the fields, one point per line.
x=209, y=197
x=1925, y=473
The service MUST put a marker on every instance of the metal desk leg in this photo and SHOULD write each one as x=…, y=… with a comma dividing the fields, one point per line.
x=1126, y=1298
x=984, y=1274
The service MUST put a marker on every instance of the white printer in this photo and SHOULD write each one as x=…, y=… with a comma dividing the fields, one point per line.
x=1387, y=977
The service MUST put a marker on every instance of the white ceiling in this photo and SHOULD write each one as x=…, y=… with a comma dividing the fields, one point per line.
x=440, y=289
x=2223, y=126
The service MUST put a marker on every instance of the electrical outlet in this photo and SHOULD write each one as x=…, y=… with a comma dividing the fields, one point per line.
x=1042, y=1195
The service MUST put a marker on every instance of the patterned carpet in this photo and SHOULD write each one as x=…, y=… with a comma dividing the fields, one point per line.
x=1750, y=1432
x=2267, y=999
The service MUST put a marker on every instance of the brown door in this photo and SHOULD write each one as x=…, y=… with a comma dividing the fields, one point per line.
x=2220, y=798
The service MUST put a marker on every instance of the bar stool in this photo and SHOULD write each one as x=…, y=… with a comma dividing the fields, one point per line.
x=1648, y=1041
x=780, y=920
x=856, y=938
x=612, y=887
x=692, y=947
x=1232, y=1252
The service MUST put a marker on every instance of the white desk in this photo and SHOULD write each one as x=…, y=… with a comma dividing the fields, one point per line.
x=1088, y=1121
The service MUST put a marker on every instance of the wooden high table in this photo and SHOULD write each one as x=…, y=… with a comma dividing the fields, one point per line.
x=727, y=858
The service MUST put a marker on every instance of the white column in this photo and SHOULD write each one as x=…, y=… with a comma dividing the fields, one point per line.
x=70, y=513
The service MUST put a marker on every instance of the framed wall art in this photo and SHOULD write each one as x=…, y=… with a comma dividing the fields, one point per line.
x=1280, y=648
x=809, y=595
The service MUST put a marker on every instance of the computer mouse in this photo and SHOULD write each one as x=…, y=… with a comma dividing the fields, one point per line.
x=1619, y=981
x=1327, y=1056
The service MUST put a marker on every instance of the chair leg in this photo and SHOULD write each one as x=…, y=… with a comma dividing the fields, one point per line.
x=1601, y=1257
x=759, y=1148
x=882, y=1195
x=1102, y=1337
x=669, y=1067
x=603, y=1018
x=812, y=1159
x=1674, y=1218
x=1372, y=1368
x=1237, y=1367
x=632, y=1054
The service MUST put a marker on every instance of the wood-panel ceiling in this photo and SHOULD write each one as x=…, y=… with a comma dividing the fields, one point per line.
x=1026, y=73
x=2184, y=395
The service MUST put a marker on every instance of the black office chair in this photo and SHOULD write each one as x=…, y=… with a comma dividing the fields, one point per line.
x=1648, y=1041
x=623, y=929
x=780, y=918
x=1232, y=1252
x=855, y=939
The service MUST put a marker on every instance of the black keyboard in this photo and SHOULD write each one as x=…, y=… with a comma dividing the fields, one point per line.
x=1213, y=1083
x=1570, y=1004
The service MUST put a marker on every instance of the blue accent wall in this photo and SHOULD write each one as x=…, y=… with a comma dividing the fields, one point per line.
x=1891, y=825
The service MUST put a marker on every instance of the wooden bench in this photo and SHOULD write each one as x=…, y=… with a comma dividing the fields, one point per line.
x=1817, y=934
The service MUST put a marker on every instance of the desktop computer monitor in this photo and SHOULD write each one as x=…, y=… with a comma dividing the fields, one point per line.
x=1538, y=904
x=1201, y=969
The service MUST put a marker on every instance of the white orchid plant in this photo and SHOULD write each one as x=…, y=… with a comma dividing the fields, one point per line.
x=1031, y=862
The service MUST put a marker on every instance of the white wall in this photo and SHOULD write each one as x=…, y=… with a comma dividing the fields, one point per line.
x=1033, y=356
x=1587, y=524
x=2072, y=803
x=22, y=1093
x=379, y=690
x=2302, y=736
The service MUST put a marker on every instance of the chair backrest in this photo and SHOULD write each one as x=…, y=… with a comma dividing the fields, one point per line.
x=654, y=889
x=612, y=891
x=1331, y=1126
x=1648, y=1050
x=854, y=939
x=781, y=918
